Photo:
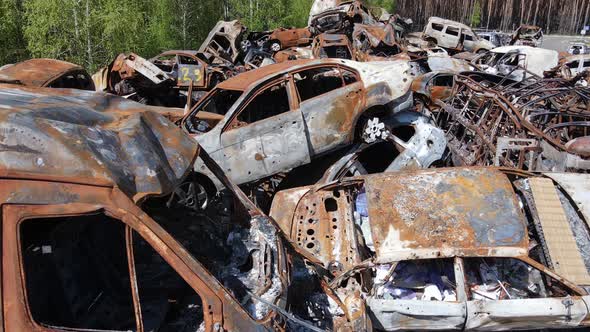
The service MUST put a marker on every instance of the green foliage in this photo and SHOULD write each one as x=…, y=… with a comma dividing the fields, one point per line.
x=476, y=17
x=49, y=29
x=93, y=32
x=14, y=47
x=298, y=13
x=388, y=5
x=259, y=15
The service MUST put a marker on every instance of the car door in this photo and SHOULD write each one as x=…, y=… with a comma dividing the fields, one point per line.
x=74, y=267
x=451, y=37
x=517, y=295
x=469, y=40
x=331, y=100
x=423, y=297
x=265, y=136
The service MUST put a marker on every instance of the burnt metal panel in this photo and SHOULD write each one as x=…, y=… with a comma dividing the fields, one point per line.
x=445, y=212
x=78, y=134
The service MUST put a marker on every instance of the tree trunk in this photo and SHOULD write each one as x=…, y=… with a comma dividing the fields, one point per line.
x=88, y=39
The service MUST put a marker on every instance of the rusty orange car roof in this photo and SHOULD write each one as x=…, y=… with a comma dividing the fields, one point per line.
x=242, y=81
x=36, y=72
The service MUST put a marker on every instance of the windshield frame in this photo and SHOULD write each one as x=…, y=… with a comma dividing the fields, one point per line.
x=198, y=107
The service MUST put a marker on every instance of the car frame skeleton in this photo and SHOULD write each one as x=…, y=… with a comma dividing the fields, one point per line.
x=536, y=125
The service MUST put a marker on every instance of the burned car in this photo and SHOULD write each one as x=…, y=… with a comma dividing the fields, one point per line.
x=527, y=35
x=577, y=48
x=570, y=66
x=48, y=73
x=538, y=125
x=334, y=46
x=517, y=62
x=495, y=37
x=166, y=79
x=338, y=16
x=454, y=36
x=98, y=232
x=224, y=41
x=281, y=116
x=448, y=249
x=282, y=38
x=375, y=43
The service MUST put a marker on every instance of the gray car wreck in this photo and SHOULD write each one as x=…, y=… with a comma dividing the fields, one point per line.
x=472, y=249
x=278, y=117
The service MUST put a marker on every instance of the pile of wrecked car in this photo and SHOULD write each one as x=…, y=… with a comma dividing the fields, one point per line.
x=346, y=176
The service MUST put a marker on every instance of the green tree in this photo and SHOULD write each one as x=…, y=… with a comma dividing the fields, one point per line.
x=298, y=13
x=50, y=31
x=14, y=47
x=388, y=5
x=259, y=15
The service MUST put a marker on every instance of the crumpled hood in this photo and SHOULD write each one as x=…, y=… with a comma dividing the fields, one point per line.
x=89, y=137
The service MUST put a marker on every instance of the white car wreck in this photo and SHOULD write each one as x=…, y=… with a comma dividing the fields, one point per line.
x=517, y=62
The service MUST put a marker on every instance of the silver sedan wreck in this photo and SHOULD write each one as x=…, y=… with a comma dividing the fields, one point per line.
x=281, y=116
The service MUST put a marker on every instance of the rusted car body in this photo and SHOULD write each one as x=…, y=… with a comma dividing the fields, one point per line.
x=47, y=73
x=132, y=76
x=224, y=41
x=294, y=53
x=454, y=36
x=97, y=226
x=166, y=79
x=527, y=35
x=571, y=66
x=338, y=17
x=375, y=43
x=281, y=116
x=282, y=38
x=332, y=46
x=445, y=249
x=491, y=120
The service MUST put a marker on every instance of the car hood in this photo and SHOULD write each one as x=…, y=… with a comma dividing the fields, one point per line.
x=88, y=137
x=445, y=212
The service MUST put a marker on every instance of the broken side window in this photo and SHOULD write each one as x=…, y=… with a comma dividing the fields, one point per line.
x=425, y=280
x=509, y=278
x=220, y=101
x=468, y=37
x=272, y=101
x=185, y=60
x=74, y=80
x=77, y=277
x=452, y=31
x=76, y=273
x=437, y=27
x=348, y=76
x=317, y=81
x=573, y=64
